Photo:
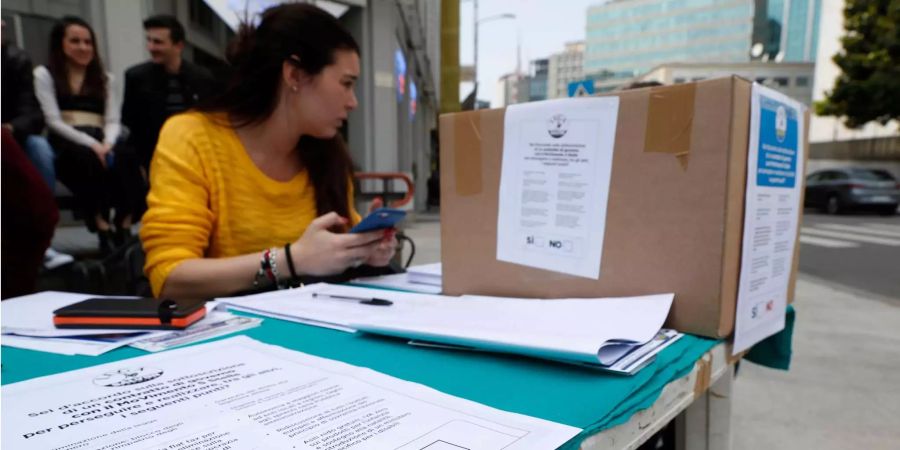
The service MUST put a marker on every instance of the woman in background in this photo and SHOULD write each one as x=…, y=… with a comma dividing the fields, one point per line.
x=76, y=97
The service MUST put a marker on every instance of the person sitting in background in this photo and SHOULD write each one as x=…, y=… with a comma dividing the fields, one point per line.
x=159, y=88
x=82, y=116
x=29, y=219
x=255, y=187
x=22, y=117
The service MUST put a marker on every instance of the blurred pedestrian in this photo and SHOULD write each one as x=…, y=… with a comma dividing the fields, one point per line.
x=76, y=97
x=166, y=85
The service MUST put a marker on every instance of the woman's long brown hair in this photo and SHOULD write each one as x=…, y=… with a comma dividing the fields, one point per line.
x=251, y=95
x=94, y=78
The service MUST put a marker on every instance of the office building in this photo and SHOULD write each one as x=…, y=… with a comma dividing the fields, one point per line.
x=633, y=36
x=793, y=79
x=790, y=29
x=537, y=79
x=564, y=68
x=511, y=89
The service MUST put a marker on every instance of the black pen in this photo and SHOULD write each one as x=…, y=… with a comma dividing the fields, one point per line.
x=363, y=300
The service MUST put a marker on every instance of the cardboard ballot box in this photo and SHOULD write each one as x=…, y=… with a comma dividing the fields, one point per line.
x=674, y=214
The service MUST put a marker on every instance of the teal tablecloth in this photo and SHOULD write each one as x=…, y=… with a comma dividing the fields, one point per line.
x=574, y=396
x=775, y=351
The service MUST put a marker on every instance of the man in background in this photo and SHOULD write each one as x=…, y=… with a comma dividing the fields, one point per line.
x=159, y=88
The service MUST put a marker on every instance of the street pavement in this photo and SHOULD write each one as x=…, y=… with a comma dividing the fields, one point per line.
x=860, y=251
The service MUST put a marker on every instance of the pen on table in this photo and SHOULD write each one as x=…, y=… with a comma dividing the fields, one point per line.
x=374, y=301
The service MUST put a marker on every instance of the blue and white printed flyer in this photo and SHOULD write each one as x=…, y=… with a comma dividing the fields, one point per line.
x=771, y=215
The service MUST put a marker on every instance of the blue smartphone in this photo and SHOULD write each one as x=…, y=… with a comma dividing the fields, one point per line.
x=379, y=219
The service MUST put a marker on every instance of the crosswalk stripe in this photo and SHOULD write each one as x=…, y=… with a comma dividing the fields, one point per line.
x=824, y=242
x=859, y=229
x=852, y=237
x=883, y=226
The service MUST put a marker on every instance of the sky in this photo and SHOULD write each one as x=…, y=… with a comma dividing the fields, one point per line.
x=543, y=27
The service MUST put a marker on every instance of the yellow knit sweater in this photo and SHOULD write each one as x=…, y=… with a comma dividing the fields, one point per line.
x=209, y=200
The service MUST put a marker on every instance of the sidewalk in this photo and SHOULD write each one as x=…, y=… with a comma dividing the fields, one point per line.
x=843, y=389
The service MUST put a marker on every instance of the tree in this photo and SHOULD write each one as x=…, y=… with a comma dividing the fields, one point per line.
x=868, y=88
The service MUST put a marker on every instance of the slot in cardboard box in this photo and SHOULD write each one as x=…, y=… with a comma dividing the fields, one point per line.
x=675, y=211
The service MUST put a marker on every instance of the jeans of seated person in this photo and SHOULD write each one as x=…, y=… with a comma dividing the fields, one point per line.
x=41, y=154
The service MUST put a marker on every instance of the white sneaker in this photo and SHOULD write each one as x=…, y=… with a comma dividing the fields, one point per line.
x=54, y=259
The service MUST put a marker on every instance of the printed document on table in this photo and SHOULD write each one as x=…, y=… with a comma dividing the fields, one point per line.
x=570, y=329
x=32, y=315
x=554, y=183
x=87, y=345
x=300, y=305
x=397, y=281
x=239, y=393
x=774, y=182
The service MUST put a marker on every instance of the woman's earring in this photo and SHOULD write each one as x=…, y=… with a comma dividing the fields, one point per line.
x=294, y=88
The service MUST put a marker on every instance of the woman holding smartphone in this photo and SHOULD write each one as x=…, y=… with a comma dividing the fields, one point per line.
x=82, y=115
x=255, y=187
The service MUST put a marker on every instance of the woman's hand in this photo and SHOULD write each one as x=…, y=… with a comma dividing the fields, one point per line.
x=383, y=252
x=320, y=252
x=101, y=150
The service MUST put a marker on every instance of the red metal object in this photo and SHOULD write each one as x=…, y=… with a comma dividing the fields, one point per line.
x=391, y=198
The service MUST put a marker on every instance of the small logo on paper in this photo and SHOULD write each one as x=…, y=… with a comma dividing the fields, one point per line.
x=557, y=126
x=127, y=376
x=780, y=123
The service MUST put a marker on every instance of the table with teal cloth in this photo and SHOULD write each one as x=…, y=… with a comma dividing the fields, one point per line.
x=575, y=396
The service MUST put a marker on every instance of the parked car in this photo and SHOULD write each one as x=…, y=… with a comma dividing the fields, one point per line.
x=839, y=190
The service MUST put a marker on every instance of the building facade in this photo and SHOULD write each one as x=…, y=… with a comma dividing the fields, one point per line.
x=630, y=37
x=798, y=25
x=564, y=68
x=537, y=79
x=511, y=89
x=117, y=25
x=793, y=79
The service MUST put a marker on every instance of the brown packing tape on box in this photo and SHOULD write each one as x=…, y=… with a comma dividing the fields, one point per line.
x=467, y=157
x=670, y=120
x=466, y=160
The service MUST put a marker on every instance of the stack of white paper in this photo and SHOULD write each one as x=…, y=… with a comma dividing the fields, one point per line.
x=425, y=274
x=424, y=278
x=301, y=305
x=28, y=324
x=599, y=332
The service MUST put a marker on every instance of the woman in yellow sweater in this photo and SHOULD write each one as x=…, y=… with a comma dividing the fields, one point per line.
x=256, y=185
